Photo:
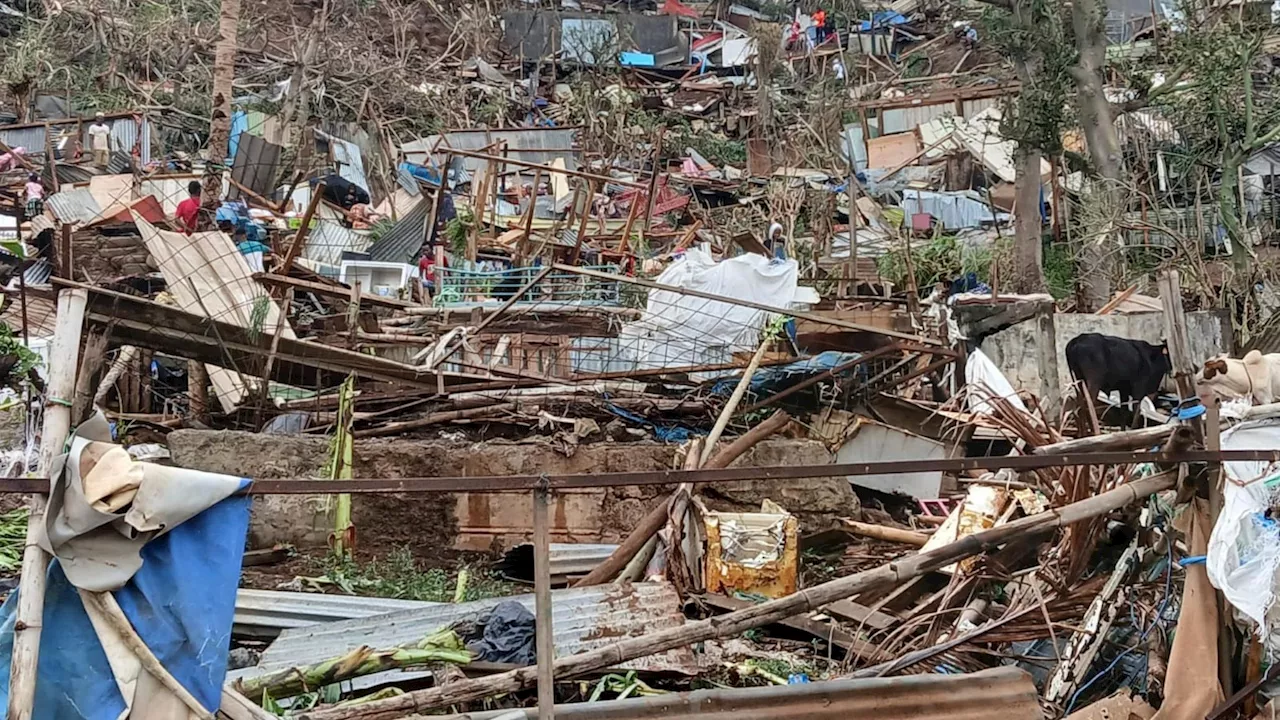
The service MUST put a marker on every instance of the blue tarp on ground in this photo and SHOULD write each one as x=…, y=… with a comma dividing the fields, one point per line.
x=779, y=377
x=181, y=602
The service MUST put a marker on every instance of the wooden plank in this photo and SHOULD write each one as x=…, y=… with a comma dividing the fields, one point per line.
x=827, y=632
x=301, y=363
x=893, y=151
x=851, y=611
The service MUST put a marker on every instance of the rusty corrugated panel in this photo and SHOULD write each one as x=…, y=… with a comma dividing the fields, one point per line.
x=583, y=619
x=76, y=206
x=1005, y=693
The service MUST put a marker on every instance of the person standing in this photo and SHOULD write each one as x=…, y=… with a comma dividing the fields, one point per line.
x=820, y=25
x=100, y=140
x=35, y=196
x=188, y=211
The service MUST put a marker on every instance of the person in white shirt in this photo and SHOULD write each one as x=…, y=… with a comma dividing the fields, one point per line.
x=100, y=140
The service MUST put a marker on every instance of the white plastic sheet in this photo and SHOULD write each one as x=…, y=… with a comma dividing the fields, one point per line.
x=1244, y=549
x=984, y=380
x=678, y=330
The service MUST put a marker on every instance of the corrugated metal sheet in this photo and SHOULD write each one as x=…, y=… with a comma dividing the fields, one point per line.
x=583, y=618
x=567, y=560
x=403, y=240
x=266, y=612
x=76, y=206
x=1006, y=693
x=973, y=107
x=536, y=145
x=255, y=166
x=32, y=139
x=909, y=118
x=328, y=240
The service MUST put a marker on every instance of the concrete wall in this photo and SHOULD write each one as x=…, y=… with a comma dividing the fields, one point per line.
x=481, y=521
x=1017, y=350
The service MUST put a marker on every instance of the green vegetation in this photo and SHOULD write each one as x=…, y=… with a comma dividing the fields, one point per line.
x=398, y=576
x=13, y=537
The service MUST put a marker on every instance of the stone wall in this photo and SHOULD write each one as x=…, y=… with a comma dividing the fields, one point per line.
x=478, y=521
x=99, y=256
x=1019, y=350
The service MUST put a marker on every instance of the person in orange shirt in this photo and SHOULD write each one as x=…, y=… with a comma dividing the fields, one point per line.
x=820, y=25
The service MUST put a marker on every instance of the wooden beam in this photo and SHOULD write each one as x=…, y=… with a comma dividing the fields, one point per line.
x=300, y=238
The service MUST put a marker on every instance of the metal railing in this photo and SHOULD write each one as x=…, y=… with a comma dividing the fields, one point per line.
x=471, y=287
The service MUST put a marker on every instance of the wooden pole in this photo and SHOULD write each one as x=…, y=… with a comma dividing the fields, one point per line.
x=653, y=182
x=582, y=222
x=106, y=605
x=300, y=238
x=885, y=576
x=64, y=359
x=882, y=532
x=544, y=638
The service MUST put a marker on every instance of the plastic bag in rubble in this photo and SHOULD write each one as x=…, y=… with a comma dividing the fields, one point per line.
x=1244, y=550
x=506, y=636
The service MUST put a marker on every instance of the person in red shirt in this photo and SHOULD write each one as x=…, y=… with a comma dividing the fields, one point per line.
x=189, y=209
x=427, y=269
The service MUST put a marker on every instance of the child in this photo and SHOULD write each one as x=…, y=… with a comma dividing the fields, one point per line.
x=35, y=196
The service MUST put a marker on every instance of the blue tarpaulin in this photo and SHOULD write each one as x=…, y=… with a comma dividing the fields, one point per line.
x=181, y=602
x=882, y=19
x=780, y=376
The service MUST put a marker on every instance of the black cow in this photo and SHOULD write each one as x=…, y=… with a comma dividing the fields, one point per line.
x=1105, y=363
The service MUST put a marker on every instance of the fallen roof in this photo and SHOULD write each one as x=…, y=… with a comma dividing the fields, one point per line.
x=583, y=619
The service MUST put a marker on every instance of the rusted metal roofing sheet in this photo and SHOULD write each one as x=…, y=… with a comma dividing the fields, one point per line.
x=583, y=619
x=1005, y=693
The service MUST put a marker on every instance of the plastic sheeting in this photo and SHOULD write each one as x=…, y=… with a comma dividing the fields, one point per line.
x=1244, y=550
x=181, y=602
x=980, y=372
x=680, y=330
x=779, y=376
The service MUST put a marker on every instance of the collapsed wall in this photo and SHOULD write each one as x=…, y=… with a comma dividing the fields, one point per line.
x=472, y=521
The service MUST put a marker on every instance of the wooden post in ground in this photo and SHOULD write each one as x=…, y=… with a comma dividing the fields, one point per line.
x=65, y=358
x=300, y=237
x=544, y=638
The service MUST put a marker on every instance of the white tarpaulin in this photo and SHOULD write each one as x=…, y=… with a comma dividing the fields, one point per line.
x=1244, y=549
x=984, y=381
x=208, y=276
x=678, y=330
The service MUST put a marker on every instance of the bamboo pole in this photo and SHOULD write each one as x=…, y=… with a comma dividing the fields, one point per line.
x=110, y=611
x=64, y=359
x=544, y=638
x=885, y=576
x=883, y=532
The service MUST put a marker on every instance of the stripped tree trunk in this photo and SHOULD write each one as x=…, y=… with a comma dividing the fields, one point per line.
x=1028, y=244
x=224, y=74
x=1097, y=265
